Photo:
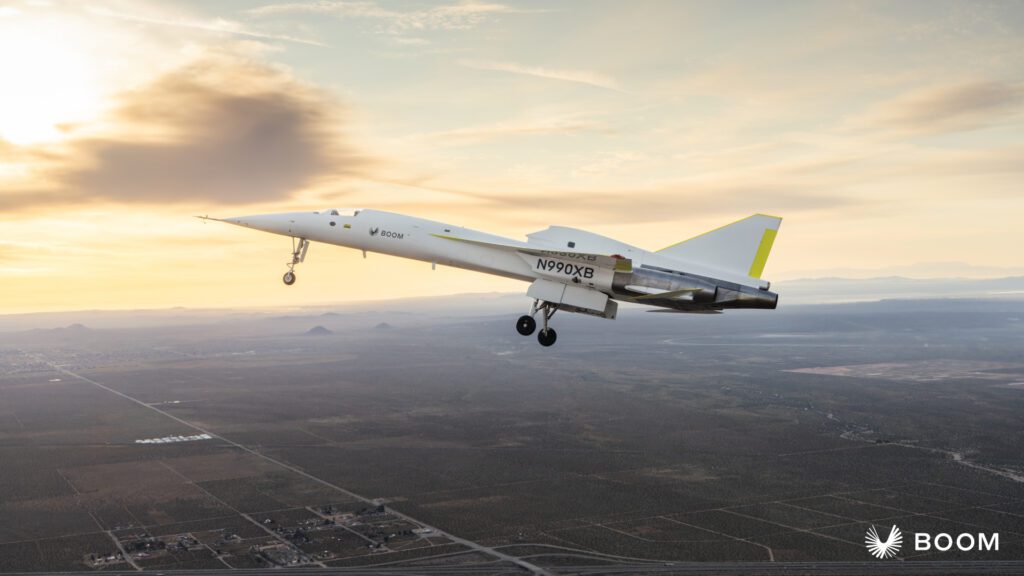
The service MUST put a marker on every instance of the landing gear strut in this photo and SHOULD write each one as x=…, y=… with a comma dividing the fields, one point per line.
x=526, y=324
x=298, y=256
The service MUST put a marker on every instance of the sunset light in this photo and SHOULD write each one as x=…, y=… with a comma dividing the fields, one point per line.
x=49, y=79
x=869, y=127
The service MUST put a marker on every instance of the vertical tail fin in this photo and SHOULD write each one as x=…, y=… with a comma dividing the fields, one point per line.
x=741, y=247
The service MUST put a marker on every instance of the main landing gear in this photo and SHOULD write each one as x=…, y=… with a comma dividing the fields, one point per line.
x=526, y=324
x=298, y=256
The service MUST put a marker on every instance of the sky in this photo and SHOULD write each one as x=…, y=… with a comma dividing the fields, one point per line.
x=888, y=135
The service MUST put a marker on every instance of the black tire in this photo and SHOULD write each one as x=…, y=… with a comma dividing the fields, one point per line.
x=289, y=278
x=547, y=337
x=526, y=325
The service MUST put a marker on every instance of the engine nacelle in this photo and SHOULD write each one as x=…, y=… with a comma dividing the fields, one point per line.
x=651, y=283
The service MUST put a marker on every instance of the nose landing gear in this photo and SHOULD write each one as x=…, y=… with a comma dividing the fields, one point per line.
x=298, y=256
x=526, y=324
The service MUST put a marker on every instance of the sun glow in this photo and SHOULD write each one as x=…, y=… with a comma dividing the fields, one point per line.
x=48, y=80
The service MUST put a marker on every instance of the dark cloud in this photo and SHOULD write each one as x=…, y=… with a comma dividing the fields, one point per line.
x=220, y=130
x=956, y=107
x=12, y=201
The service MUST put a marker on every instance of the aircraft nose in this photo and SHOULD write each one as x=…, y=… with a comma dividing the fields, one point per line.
x=273, y=223
x=251, y=221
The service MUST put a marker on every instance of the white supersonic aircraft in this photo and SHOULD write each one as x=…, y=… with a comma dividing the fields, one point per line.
x=568, y=269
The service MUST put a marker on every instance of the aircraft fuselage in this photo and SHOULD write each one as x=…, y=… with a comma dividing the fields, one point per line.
x=569, y=269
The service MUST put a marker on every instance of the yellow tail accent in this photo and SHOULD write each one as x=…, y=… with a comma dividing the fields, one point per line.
x=761, y=258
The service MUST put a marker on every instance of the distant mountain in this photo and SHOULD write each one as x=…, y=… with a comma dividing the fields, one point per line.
x=945, y=269
x=75, y=332
x=434, y=309
x=319, y=331
x=835, y=290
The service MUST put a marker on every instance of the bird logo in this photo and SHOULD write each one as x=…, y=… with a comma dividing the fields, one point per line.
x=886, y=549
x=373, y=231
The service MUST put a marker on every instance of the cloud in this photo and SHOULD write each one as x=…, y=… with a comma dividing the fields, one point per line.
x=462, y=16
x=217, y=25
x=510, y=128
x=587, y=77
x=12, y=201
x=949, y=108
x=667, y=202
x=219, y=129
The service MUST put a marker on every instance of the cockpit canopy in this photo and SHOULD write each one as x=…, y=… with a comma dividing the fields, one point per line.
x=340, y=211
